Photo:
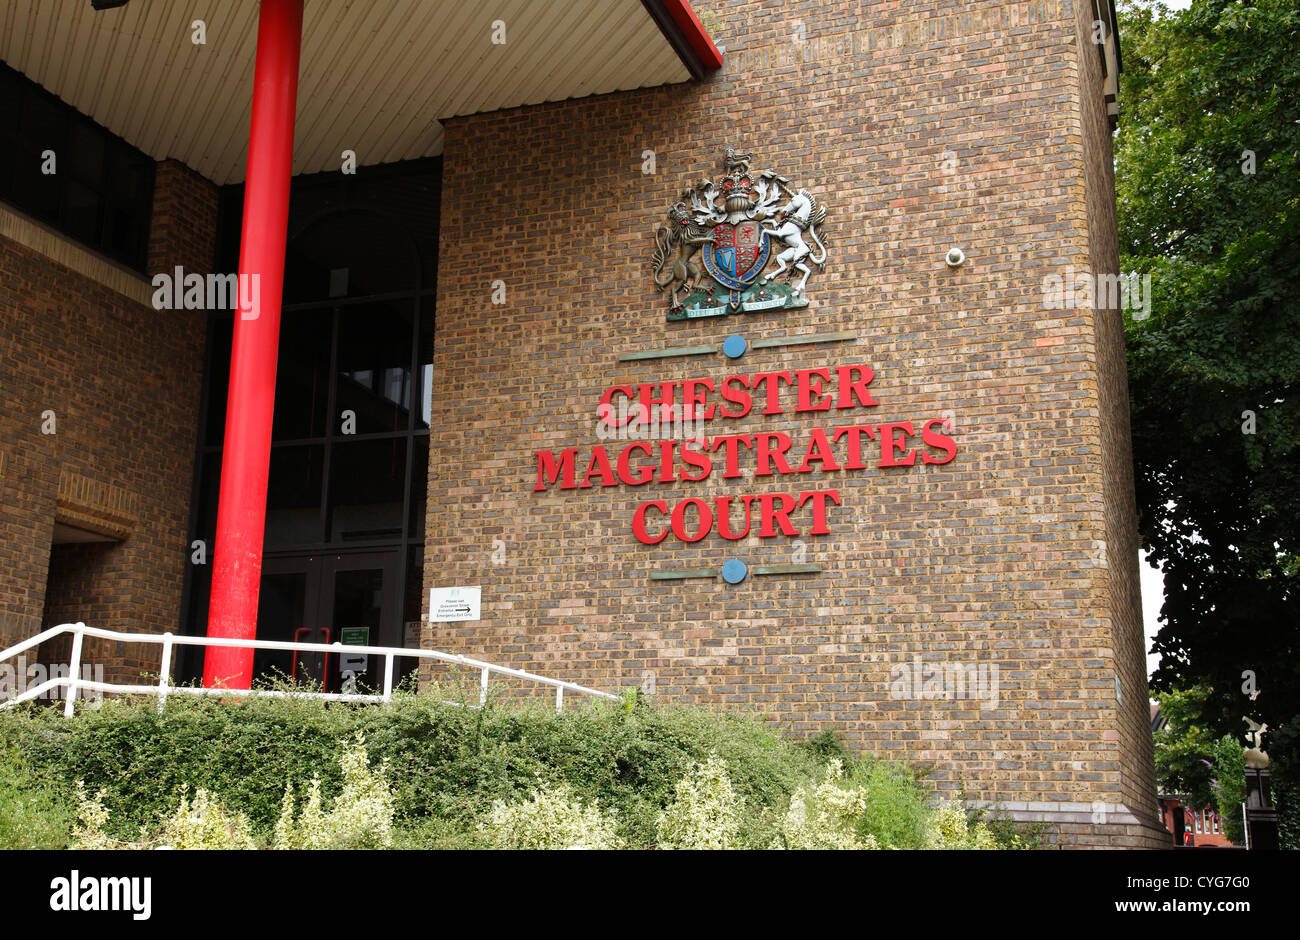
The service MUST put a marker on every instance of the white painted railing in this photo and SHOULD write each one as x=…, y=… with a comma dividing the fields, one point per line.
x=74, y=683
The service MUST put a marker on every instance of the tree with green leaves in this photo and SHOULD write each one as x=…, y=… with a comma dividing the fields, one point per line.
x=1208, y=188
x=1198, y=765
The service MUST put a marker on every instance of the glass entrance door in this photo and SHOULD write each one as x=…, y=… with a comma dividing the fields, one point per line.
x=362, y=600
x=348, y=598
x=287, y=611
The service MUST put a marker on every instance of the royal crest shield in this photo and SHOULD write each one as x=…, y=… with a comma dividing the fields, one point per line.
x=715, y=248
x=739, y=254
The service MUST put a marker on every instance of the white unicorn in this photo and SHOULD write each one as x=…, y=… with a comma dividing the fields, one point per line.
x=801, y=214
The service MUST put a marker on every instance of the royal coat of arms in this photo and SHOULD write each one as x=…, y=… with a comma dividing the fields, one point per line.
x=712, y=253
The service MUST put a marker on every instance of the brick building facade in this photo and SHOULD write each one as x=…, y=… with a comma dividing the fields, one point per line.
x=921, y=129
x=1019, y=552
x=98, y=418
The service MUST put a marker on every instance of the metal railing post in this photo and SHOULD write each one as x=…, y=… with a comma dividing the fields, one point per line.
x=74, y=670
x=165, y=671
x=388, y=678
x=482, y=688
x=559, y=699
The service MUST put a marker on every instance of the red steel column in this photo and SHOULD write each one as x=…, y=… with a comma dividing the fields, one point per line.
x=245, y=464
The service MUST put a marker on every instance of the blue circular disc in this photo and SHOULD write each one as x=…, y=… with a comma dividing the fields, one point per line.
x=734, y=571
x=734, y=346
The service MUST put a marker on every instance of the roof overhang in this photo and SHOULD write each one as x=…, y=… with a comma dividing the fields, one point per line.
x=377, y=78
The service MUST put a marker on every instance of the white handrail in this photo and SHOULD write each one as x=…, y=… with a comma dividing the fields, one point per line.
x=164, y=687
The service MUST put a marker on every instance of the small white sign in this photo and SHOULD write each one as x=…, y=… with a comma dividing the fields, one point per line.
x=454, y=603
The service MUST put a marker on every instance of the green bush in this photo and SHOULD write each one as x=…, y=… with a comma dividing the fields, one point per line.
x=825, y=815
x=242, y=750
x=444, y=770
x=1228, y=786
x=550, y=819
x=444, y=762
x=897, y=815
x=705, y=812
x=1286, y=798
x=199, y=824
x=34, y=812
x=361, y=817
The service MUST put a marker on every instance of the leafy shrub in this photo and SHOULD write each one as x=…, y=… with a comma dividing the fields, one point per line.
x=897, y=815
x=243, y=751
x=1228, y=786
x=92, y=817
x=442, y=769
x=361, y=817
x=552, y=819
x=825, y=746
x=952, y=829
x=34, y=813
x=705, y=811
x=1286, y=797
x=825, y=815
x=1007, y=833
x=203, y=824
x=445, y=762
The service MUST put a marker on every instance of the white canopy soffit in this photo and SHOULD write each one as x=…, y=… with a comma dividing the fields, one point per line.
x=376, y=77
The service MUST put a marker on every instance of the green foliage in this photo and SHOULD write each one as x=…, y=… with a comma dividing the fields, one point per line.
x=435, y=775
x=1229, y=786
x=1196, y=763
x=952, y=828
x=552, y=818
x=1219, y=357
x=205, y=824
x=1184, y=747
x=1287, y=800
x=1009, y=834
x=825, y=815
x=458, y=762
x=242, y=750
x=897, y=815
x=443, y=762
x=827, y=747
x=876, y=806
x=202, y=824
x=92, y=818
x=1005, y=832
x=705, y=812
x=34, y=812
x=361, y=817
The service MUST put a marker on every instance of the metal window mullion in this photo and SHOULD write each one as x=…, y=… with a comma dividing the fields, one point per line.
x=327, y=480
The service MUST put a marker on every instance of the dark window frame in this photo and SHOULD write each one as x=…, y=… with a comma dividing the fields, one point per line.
x=421, y=296
x=122, y=182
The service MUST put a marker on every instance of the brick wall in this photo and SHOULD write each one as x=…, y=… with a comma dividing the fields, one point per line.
x=183, y=227
x=123, y=381
x=1128, y=651
x=990, y=559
